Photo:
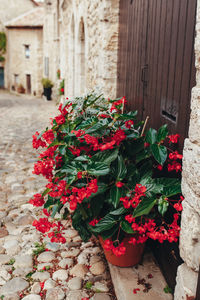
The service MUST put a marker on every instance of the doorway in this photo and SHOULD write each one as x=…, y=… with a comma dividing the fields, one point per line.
x=1, y=77
x=28, y=83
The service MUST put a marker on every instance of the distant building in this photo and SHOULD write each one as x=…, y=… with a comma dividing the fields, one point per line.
x=25, y=52
x=10, y=9
x=81, y=39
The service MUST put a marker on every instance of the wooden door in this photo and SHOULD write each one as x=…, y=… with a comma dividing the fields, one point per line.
x=1, y=77
x=28, y=83
x=156, y=68
x=156, y=73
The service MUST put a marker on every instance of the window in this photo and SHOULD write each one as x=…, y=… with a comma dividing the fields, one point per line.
x=27, y=51
x=16, y=79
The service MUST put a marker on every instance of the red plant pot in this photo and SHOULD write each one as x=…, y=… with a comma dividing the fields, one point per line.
x=132, y=256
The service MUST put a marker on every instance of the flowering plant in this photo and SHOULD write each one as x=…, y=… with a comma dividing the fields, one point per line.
x=108, y=173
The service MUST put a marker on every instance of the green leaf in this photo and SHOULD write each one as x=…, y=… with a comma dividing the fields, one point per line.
x=45, y=192
x=121, y=168
x=162, y=205
x=130, y=116
x=151, y=136
x=162, y=133
x=115, y=194
x=55, y=143
x=96, y=205
x=144, y=207
x=82, y=158
x=109, y=233
x=159, y=153
x=98, y=169
x=49, y=202
x=96, y=127
x=55, y=210
x=126, y=227
x=62, y=149
x=106, y=156
x=172, y=190
x=119, y=211
x=69, y=169
x=106, y=223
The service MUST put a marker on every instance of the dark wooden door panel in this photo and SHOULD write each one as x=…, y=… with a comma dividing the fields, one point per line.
x=132, y=44
x=156, y=60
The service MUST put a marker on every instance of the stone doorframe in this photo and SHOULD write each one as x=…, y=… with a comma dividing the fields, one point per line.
x=190, y=223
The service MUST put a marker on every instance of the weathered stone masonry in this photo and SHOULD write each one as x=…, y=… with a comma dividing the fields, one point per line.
x=190, y=224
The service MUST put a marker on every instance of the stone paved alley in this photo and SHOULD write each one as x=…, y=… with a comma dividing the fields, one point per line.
x=75, y=270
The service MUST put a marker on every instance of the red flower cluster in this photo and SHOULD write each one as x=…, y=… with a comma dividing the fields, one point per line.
x=135, y=200
x=119, y=184
x=44, y=167
x=174, y=166
x=149, y=229
x=42, y=225
x=37, y=142
x=173, y=138
x=118, y=251
x=129, y=123
x=79, y=194
x=48, y=136
x=60, y=119
x=37, y=200
x=116, y=106
x=175, y=155
x=94, y=222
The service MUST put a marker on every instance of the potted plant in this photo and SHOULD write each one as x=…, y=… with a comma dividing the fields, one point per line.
x=106, y=171
x=21, y=89
x=47, y=87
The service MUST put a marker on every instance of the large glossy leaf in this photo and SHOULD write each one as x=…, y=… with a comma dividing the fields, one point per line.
x=162, y=133
x=109, y=233
x=69, y=169
x=96, y=127
x=144, y=207
x=106, y=156
x=49, y=202
x=126, y=227
x=159, y=153
x=151, y=136
x=62, y=149
x=121, y=168
x=172, y=190
x=118, y=211
x=162, y=205
x=98, y=169
x=115, y=194
x=96, y=205
x=105, y=224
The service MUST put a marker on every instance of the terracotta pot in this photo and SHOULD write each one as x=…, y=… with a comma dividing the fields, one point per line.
x=132, y=256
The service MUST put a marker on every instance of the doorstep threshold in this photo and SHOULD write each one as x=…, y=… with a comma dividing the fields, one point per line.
x=151, y=281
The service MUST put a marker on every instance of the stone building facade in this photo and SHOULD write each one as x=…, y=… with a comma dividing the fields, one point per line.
x=25, y=52
x=81, y=39
x=9, y=10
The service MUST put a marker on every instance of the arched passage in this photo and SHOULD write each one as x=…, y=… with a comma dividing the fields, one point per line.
x=71, y=56
x=81, y=58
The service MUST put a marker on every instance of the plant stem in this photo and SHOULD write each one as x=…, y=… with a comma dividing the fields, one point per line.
x=145, y=123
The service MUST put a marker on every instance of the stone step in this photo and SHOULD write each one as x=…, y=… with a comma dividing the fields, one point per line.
x=125, y=280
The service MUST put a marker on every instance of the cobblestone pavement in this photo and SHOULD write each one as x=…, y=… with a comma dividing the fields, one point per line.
x=73, y=271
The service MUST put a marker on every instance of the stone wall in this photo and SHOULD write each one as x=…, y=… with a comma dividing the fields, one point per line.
x=87, y=44
x=190, y=224
x=18, y=64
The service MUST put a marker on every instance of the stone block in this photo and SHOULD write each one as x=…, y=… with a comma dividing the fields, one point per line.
x=190, y=236
x=186, y=283
x=190, y=196
x=195, y=114
x=191, y=166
